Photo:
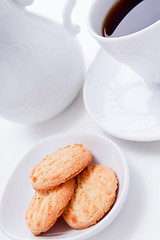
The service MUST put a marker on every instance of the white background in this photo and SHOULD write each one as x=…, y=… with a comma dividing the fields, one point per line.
x=139, y=218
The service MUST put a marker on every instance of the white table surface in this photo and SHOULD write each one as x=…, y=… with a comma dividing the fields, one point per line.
x=139, y=219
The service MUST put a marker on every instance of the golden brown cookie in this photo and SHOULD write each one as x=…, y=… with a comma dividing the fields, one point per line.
x=94, y=194
x=46, y=206
x=60, y=166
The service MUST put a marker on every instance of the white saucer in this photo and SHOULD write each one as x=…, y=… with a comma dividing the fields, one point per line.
x=120, y=102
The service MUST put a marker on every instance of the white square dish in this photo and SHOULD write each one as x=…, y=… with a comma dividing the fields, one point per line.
x=19, y=192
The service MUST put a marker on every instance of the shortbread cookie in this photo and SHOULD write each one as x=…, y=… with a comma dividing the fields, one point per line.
x=60, y=166
x=46, y=206
x=94, y=194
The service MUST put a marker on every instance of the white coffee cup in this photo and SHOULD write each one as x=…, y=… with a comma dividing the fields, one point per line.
x=136, y=41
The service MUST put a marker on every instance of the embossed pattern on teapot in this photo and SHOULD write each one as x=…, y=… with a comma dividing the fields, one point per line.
x=41, y=63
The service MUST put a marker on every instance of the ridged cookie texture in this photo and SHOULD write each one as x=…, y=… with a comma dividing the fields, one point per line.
x=94, y=194
x=60, y=166
x=46, y=206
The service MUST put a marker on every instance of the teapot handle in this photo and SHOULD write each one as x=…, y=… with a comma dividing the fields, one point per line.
x=73, y=29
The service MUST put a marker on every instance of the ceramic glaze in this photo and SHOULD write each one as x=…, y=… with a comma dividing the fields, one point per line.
x=136, y=41
x=41, y=63
x=120, y=101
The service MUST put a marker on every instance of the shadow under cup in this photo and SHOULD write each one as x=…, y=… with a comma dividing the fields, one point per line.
x=136, y=40
x=144, y=14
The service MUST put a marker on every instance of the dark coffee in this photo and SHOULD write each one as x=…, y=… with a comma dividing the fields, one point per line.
x=116, y=14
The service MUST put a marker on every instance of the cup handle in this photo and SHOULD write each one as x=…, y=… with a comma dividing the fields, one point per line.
x=73, y=29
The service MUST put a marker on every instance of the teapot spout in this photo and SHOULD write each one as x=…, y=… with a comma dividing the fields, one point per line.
x=74, y=29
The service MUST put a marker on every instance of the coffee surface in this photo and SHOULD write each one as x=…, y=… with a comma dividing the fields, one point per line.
x=116, y=14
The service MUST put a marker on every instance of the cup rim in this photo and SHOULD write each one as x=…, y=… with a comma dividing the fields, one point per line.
x=119, y=38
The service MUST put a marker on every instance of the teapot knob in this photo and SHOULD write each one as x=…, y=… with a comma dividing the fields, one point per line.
x=25, y=2
x=74, y=29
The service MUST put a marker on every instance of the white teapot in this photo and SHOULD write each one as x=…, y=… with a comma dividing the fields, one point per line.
x=41, y=63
